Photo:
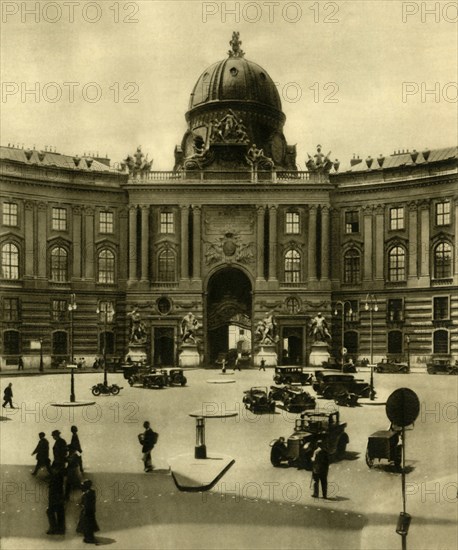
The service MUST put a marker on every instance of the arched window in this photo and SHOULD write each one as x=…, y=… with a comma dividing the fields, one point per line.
x=352, y=267
x=166, y=266
x=292, y=266
x=443, y=261
x=397, y=264
x=440, y=341
x=59, y=264
x=395, y=341
x=10, y=261
x=11, y=342
x=106, y=267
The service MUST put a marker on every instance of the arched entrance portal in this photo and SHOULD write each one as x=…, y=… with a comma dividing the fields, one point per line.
x=229, y=308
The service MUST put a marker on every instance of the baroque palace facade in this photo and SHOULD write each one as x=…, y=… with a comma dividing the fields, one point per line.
x=233, y=233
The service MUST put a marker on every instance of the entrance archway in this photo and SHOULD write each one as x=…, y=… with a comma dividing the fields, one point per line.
x=229, y=307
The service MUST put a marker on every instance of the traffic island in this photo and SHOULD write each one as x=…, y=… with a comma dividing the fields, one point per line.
x=199, y=471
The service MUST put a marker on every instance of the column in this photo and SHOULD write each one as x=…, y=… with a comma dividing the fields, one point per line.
x=312, y=243
x=76, y=230
x=424, y=238
x=260, y=239
x=29, y=240
x=379, y=242
x=132, y=243
x=272, y=243
x=324, y=243
x=88, y=243
x=42, y=239
x=122, y=231
x=368, y=243
x=456, y=236
x=197, y=243
x=184, y=242
x=144, y=241
x=413, y=241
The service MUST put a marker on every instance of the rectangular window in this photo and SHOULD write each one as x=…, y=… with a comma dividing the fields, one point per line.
x=443, y=213
x=352, y=317
x=106, y=222
x=395, y=310
x=59, y=310
x=59, y=219
x=292, y=223
x=11, y=309
x=10, y=213
x=352, y=221
x=396, y=218
x=167, y=222
x=441, y=308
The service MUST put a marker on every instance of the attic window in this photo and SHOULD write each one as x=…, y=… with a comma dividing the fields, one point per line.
x=233, y=71
x=263, y=76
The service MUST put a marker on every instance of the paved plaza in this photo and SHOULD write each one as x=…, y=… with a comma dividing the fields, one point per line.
x=254, y=505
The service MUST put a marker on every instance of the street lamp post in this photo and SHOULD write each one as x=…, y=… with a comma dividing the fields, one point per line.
x=41, y=355
x=407, y=340
x=342, y=304
x=71, y=309
x=105, y=310
x=371, y=306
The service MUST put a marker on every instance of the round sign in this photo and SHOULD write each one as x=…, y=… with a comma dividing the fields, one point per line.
x=344, y=351
x=402, y=407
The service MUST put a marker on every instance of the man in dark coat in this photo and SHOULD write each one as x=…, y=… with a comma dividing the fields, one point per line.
x=73, y=472
x=56, y=509
x=8, y=396
x=59, y=450
x=75, y=444
x=20, y=363
x=87, y=524
x=147, y=440
x=320, y=468
x=42, y=452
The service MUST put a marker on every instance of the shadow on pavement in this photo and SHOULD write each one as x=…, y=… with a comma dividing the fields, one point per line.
x=4, y=418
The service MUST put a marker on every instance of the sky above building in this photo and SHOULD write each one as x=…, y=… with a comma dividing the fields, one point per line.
x=358, y=77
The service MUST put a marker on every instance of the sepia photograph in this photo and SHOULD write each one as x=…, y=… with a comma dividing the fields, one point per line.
x=229, y=274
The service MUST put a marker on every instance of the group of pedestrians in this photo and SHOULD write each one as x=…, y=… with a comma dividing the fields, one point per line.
x=65, y=474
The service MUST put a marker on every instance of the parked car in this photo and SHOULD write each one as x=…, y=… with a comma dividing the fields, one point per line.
x=154, y=379
x=258, y=400
x=441, y=366
x=129, y=369
x=289, y=374
x=292, y=397
x=391, y=365
x=331, y=363
x=384, y=444
x=344, y=388
x=310, y=429
x=175, y=377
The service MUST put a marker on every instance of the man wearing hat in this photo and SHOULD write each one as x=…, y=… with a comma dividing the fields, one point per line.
x=59, y=450
x=87, y=524
x=42, y=452
x=320, y=467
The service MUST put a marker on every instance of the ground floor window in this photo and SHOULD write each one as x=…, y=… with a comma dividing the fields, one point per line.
x=395, y=341
x=59, y=343
x=440, y=341
x=11, y=342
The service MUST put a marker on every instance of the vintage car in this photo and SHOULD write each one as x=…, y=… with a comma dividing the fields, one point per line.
x=331, y=363
x=258, y=400
x=309, y=429
x=154, y=379
x=289, y=374
x=391, y=365
x=292, y=397
x=441, y=366
x=384, y=444
x=174, y=377
x=129, y=369
x=344, y=388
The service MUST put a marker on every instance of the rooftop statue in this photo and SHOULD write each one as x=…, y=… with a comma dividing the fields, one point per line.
x=319, y=162
x=235, y=44
x=137, y=164
x=256, y=158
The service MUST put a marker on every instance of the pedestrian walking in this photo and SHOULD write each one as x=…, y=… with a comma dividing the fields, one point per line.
x=262, y=365
x=42, y=452
x=74, y=477
x=223, y=366
x=87, y=524
x=237, y=363
x=59, y=451
x=75, y=444
x=20, y=363
x=56, y=507
x=8, y=396
x=320, y=468
x=148, y=440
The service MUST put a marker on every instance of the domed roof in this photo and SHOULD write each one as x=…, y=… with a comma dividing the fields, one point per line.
x=233, y=79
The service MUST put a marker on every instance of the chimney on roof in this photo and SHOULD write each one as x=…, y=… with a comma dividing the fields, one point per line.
x=380, y=160
x=354, y=161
